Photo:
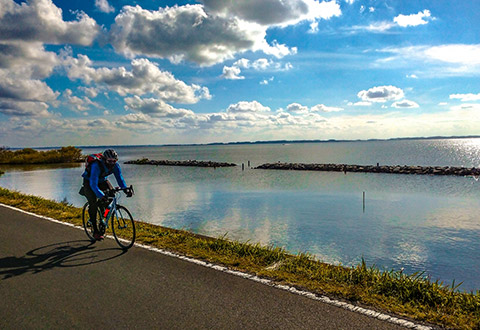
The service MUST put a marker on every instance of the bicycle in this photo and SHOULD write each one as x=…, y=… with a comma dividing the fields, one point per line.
x=123, y=226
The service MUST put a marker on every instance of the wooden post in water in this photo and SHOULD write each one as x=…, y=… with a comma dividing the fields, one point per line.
x=243, y=166
x=248, y=163
x=364, y=202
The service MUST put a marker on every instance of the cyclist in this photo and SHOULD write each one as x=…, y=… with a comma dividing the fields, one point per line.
x=96, y=185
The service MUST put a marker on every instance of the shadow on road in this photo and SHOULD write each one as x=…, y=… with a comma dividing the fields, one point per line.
x=64, y=254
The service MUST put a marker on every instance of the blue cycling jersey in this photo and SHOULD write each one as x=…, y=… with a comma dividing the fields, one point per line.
x=99, y=173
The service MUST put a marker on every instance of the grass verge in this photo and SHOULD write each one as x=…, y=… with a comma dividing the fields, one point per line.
x=412, y=296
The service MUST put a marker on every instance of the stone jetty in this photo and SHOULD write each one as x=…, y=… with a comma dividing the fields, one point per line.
x=197, y=163
x=396, y=169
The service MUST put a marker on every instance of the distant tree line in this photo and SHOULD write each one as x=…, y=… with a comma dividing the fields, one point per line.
x=31, y=156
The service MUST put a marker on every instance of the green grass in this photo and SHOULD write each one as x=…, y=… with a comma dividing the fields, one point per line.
x=31, y=156
x=408, y=295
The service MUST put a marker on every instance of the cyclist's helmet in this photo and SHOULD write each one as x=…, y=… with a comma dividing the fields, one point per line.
x=110, y=157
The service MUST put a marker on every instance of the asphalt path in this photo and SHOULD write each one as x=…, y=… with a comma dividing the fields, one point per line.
x=52, y=276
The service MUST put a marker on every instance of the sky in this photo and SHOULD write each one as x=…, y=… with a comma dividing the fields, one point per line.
x=105, y=72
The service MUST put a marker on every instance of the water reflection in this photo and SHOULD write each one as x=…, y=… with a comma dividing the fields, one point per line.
x=52, y=182
x=36, y=167
x=456, y=214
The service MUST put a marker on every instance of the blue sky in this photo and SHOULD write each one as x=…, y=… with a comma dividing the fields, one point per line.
x=98, y=72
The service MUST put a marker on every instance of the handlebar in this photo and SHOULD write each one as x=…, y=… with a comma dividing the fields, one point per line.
x=126, y=190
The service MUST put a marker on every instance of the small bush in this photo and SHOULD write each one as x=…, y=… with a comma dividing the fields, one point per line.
x=31, y=156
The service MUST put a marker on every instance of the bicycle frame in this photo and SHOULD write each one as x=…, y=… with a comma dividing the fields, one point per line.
x=112, y=208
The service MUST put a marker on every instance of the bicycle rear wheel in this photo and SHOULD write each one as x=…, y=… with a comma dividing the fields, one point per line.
x=87, y=223
x=123, y=227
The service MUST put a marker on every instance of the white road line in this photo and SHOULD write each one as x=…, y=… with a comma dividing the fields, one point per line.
x=324, y=299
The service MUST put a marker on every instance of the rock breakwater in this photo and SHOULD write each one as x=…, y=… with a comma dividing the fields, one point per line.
x=197, y=163
x=395, y=169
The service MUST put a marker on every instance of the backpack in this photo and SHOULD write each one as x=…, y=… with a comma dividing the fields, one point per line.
x=90, y=159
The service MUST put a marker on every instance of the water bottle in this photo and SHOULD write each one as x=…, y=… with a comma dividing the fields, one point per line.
x=107, y=210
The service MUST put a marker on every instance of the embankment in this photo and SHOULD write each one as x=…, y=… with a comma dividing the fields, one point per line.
x=396, y=169
x=146, y=161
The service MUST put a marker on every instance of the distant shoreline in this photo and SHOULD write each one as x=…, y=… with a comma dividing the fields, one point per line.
x=268, y=142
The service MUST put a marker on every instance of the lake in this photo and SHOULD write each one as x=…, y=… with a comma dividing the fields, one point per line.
x=415, y=222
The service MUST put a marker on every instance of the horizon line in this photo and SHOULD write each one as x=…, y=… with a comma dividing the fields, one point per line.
x=262, y=142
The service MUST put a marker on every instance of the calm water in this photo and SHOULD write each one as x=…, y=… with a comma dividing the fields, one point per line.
x=420, y=223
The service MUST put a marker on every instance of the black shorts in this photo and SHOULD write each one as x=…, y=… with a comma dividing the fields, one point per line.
x=86, y=191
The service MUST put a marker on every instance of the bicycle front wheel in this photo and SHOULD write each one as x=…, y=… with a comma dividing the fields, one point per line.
x=123, y=227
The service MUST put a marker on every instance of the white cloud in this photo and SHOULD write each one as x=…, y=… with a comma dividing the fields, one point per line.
x=79, y=104
x=104, y=6
x=188, y=33
x=232, y=73
x=22, y=65
x=276, y=49
x=350, y=2
x=23, y=108
x=92, y=128
x=252, y=120
x=361, y=103
x=468, y=108
x=375, y=27
x=297, y=108
x=454, y=53
x=266, y=81
x=144, y=78
x=137, y=122
x=275, y=12
x=442, y=60
x=155, y=107
x=89, y=91
x=23, y=125
x=324, y=108
x=14, y=88
x=381, y=94
x=244, y=106
x=413, y=76
x=24, y=29
x=242, y=63
x=399, y=21
x=41, y=21
x=267, y=125
x=27, y=59
x=261, y=64
x=466, y=97
x=24, y=97
x=413, y=19
x=405, y=104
